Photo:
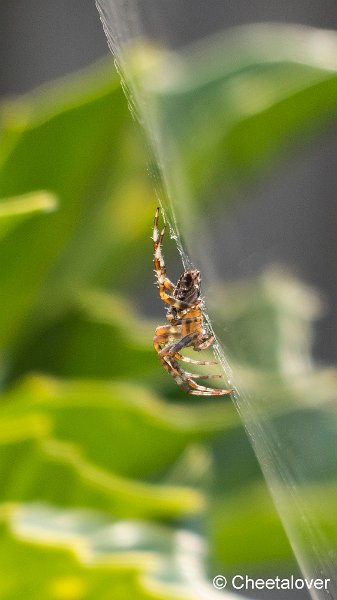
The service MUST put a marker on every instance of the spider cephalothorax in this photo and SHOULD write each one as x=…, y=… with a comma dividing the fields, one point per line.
x=186, y=323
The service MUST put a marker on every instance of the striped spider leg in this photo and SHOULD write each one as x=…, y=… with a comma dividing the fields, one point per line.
x=186, y=323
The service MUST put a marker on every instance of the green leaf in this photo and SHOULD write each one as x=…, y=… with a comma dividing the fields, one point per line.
x=73, y=139
x=101, y=337
x=86, y=556
x=53, y=429
x=232, y=104
x=139, y=432
x=13, y=211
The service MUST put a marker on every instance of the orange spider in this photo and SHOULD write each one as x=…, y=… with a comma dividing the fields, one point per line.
x=186, y=327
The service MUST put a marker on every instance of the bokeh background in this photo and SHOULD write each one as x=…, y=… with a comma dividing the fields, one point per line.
x=44, y=40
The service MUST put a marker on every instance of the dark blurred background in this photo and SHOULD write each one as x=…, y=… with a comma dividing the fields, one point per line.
x=43, y=39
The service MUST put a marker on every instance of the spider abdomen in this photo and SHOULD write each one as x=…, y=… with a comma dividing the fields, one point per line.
x=188, y=287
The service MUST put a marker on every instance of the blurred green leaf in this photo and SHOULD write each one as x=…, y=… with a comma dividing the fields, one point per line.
x=87, y=556
x=14, y=211
x=100, y=337
x=232, y=104
x=76, y=140
x=139, y=436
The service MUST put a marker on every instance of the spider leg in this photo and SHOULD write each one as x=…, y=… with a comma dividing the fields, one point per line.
x=167, y=351
x=164, y=283
x=163, y=340
x=158, y=259
x=205, y=343
x=184, y=342
x=209, y=341
x=193, y=388
x=163, y=332
x=211, y=392
x=158, y=342
x=182, y=378
x=194, y=362
x=201, y=376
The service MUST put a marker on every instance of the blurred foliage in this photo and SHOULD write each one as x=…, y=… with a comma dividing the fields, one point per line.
x=247, y=97
x=105, y=465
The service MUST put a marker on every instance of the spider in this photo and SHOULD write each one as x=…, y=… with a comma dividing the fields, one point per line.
x=186, y=327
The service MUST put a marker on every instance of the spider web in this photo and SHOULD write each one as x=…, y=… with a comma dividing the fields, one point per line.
x=122, y=25
x=154, y=103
